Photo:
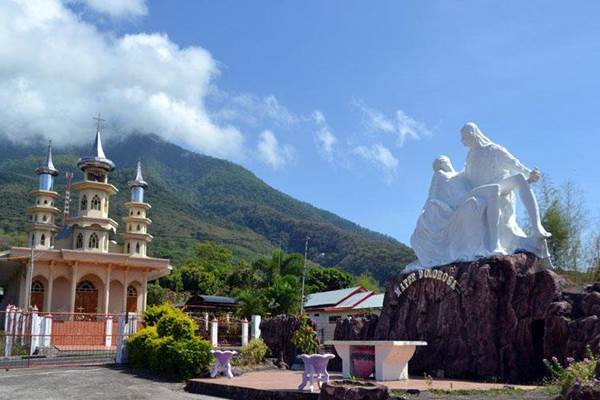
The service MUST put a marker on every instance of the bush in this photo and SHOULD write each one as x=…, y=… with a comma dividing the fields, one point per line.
x=252, y=354
x=138, y=346
x=168, y=345
x=154, y=313
x=581, y=372
x=179, y=326
x=305, y=338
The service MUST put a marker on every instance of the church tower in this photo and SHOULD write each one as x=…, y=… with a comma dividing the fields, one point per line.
x=136, y=231
x=43, y=213
x=92, y=226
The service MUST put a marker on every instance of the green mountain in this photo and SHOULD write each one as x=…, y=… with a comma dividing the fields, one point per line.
x=197, y=197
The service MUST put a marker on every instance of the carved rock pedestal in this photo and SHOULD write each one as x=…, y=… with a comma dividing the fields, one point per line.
x=347, y=390
x=504, y=316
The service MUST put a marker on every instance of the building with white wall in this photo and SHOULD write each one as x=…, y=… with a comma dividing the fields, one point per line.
x=79, y=267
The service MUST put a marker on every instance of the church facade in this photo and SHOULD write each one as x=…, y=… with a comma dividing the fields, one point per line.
x=79, y=267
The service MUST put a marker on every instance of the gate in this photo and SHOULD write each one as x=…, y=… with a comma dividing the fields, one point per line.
x=32, y=339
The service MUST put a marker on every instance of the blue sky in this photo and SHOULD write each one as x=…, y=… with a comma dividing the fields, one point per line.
x=344, y=104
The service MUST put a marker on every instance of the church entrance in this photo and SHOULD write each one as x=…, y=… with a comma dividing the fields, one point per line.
x=86, y=298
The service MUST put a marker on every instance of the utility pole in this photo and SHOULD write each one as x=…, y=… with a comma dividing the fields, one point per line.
x=304, y=275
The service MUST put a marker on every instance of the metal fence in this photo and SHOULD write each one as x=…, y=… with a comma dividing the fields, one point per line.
x=31, y=338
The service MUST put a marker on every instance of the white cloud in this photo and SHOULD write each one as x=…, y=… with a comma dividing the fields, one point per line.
x=324, y=138
x=58, y=71
x=401, y=125
x=251, y=109
x=273, y=153
x=118, y=8
x=381, y=156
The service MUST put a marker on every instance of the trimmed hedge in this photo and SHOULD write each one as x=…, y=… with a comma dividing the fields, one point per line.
x=169, y=346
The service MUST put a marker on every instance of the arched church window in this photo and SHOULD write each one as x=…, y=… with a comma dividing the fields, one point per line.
x=138, y=227
x=137, y=248
x=93, y=241
x=79, y=241
x=128, y=248
x=86, y=286
x=32, y=239
x=83, y=204
x=37, y=287
x=45, y=218
x=95, y=205
x=138, y=213
x=43, y=240
x=45, y=201
x=131, y=291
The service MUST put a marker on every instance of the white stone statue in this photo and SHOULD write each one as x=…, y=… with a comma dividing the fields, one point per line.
x=472, y=213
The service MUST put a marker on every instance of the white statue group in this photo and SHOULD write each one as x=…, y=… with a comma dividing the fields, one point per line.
x=472, y=213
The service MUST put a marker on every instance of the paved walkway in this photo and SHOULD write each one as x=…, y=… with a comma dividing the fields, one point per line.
x=89, y=383
x=289, y=380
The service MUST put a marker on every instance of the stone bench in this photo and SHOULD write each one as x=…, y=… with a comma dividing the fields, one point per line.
x=391, y=356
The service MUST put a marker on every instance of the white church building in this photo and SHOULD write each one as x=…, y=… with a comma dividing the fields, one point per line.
x=79, y=267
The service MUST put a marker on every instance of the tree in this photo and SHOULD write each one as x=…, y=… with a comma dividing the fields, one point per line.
x=565, y=216
x=325, y=279
x=367, y=281
x=284, y=295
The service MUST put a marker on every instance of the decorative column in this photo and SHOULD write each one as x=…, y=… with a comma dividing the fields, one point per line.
x=145, y=291
x=125, y=285
x=50, y=288
x=107, y=289
x=73, y=287
x=244, y=332
x=214, y=332
x=255, y=326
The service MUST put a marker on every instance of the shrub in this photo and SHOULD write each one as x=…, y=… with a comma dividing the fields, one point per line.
x=154, y=313
x=139, y=345
x=581, y=372
x=252, y=354
x=305, y=338
x=168, y=345
x=179, y=326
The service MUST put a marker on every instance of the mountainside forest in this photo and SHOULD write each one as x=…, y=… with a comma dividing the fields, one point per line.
x=199, y=198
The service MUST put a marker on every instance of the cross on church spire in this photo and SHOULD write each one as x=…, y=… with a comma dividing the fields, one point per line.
x=99, y=122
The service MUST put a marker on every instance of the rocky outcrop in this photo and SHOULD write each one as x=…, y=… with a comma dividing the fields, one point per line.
x=277, y=334
x=499, y=320
x=356, y=328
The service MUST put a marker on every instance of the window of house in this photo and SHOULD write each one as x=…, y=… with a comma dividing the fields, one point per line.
x=83, y=204
x=37, y=287
x=95, y=205
x=333, y=319
x=93, y=241
x=131, y=291
x=86, y=286
x=79, y=242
